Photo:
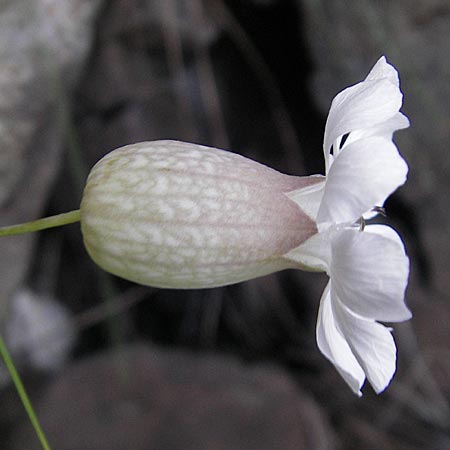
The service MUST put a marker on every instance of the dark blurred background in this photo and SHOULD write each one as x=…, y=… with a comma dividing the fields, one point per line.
x=111, y=365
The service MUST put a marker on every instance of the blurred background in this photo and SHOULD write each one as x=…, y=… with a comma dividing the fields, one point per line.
x=112, y=365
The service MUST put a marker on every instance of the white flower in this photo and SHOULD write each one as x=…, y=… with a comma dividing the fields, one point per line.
x=179, y=215
x=368, y=269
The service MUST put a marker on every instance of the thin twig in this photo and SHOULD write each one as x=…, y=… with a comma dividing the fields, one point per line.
x=207, y=80
x=23, y=394
x=177, y=70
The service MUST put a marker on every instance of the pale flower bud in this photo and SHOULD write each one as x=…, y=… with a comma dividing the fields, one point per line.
x=179, y=215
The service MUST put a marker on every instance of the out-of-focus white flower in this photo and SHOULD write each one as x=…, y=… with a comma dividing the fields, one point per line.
x=39, y=331
x=178, y=215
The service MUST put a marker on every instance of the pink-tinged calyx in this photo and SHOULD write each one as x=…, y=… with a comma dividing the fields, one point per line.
x=179, y=215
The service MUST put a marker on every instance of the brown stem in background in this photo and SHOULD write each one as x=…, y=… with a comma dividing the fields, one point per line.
x=177, y=69
x=207, y=80
x=280, y=115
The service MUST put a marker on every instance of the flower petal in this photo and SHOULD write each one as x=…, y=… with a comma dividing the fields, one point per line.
x=386, y=232
x=364, y=174
x=369, y=272
x=335, y=348
x=308, y=198
x=384, y=129
x=382, y=69
x=371, y=343
x=372, y=101
x=314, y=254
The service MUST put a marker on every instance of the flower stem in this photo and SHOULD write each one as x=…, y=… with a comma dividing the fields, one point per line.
x=23, y=394
x=41, y=224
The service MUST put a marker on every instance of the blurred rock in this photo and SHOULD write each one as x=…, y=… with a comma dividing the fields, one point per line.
x=144, y=398
x=43, y=45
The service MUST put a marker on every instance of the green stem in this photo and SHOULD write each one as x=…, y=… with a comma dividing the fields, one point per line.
x=23, y=394
x=41, y=224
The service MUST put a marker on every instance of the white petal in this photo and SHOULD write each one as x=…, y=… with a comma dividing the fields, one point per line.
x=384, y=129
x=364, y=174
x=369, y=271
x=386, y=232
x=373, y=101
x=371, y=343
x=309, y=197
x=382, y=69
x=334, y=347
x=314, y=254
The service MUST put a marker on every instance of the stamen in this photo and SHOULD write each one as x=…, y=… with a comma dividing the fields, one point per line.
x=362, y=223
x=379, y=210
